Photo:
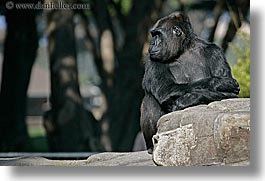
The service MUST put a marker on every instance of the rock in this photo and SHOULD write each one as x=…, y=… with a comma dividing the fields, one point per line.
x=102, y=159
x=214, y=134
x=141, y=158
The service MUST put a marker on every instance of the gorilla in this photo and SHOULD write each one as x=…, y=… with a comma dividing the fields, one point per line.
x=182, y=70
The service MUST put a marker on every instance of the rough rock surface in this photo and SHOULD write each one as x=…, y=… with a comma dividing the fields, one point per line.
x=102, y=159
x=214, y=134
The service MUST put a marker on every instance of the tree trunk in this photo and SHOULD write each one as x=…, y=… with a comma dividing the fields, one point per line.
x=69, y=126
x=19, y=55
x=122, y=87
x=238, y=10
x=125, y=102
x=124, y=106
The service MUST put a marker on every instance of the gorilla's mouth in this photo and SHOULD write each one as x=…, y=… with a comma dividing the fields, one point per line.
x=153, y=52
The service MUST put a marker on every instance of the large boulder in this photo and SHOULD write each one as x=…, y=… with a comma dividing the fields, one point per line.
x=213, y=134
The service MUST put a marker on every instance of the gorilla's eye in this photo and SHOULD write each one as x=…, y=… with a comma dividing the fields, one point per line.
x=156, y=32
x=177, y=31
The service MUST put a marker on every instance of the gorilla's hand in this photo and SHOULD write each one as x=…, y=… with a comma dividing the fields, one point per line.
x=224, y=85
x=203, y=96
x=187, y=100
x=218, y=84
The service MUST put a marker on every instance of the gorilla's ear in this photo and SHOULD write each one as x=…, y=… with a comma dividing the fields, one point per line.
x=177, y=31
x=184, y=20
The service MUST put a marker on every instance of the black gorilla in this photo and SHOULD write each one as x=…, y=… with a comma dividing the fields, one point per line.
x=182, y=71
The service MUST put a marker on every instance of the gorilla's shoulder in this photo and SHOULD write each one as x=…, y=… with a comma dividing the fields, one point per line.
x=212, y=48
x=208, y=46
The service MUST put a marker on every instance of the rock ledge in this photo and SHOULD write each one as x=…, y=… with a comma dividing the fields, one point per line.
x=214, y=134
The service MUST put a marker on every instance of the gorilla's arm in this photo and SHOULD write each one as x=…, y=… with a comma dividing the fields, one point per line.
x=220, y=86
x=181, y=96
x=195, y=98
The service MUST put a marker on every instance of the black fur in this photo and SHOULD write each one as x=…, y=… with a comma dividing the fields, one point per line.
x=182, y=71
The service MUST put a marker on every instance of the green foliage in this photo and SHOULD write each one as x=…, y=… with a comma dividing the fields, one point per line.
x=88, y=11
x=38, y=139
x=126, y=6
x=241, y=70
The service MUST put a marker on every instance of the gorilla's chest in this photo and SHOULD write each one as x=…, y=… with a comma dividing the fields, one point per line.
x=189, y=68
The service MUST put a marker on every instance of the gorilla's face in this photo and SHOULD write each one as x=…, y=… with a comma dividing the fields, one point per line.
x=168, y=37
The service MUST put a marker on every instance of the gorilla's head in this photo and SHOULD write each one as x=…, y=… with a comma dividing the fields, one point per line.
x=171, y=35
